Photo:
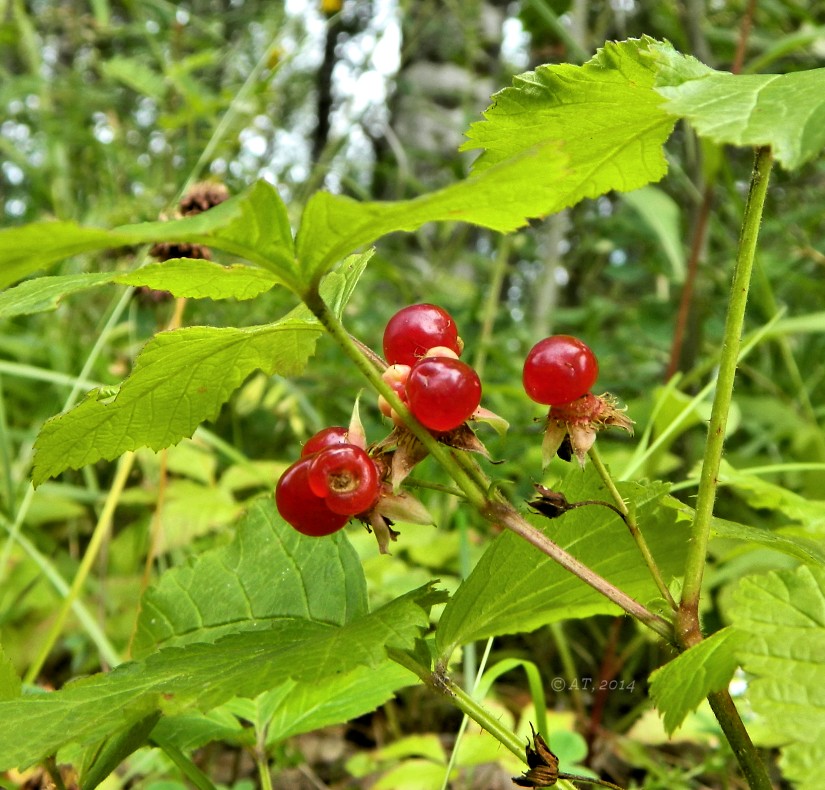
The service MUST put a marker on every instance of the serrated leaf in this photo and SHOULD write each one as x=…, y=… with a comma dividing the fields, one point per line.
x=680, y=686
x=503, y=199
x=136, y=75
x=783, y=615
x=46, y=293
x=515, y=588
x=253, y=225
x=180, y=379
x=206, y=675
x=200, y=279
x=783, y=111
x=605, y=114
x=268, y=572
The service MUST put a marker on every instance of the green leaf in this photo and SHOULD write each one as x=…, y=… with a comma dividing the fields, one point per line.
x=662, y=215
x=515, y=588
x=783, y=111
x=200, y=279
x=303, y=707
x=783, y=615
x=605, y=114
x=108, y=755
x=502, y=198
x=136, y=75
x=253, y=225
x=180, y=379
x=10, y=683
x=680, y=686
x=268, y=572
x=206, y=675
x=46, y=293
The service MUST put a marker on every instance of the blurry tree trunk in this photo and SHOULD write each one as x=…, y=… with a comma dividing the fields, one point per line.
x=450, y=64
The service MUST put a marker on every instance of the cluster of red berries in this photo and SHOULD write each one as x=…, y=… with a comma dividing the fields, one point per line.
x=336, y=478
x=331, y=481
x=422, y=348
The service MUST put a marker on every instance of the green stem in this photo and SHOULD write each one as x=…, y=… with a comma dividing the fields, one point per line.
x=739, y=740
x=630, y=520
x=706, y=497
x=689, y=630
x=98, y=536
x=440, y=682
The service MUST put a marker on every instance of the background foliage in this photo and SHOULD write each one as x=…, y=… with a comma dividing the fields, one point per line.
x=112, y=109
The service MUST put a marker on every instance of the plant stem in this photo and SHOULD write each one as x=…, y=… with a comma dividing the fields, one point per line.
x=504, y=514
x=739, y=740
x=439, y=681
x=689, y=629
x=630, y=520
x=98, y=536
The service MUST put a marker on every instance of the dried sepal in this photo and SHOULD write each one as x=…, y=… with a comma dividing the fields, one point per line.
x=543, y=765
x=382, y=529
x=571, y=428
x=464, y=438
x=355, y=432
x=402, y=506
x=549, y=503
x=495, y=421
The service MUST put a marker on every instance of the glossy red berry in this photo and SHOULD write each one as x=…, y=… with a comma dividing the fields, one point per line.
x=328, y=437
x=558, y=370
x=346, y=477
x=443, y=392
x=300, y=507
x=412, y=331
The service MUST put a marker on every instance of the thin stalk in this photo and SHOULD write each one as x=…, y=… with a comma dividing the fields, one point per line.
x=739, y=740
x=100, y=533
x=632, y=526
x=706, y=497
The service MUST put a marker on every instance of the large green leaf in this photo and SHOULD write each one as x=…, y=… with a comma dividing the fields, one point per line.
x=783, y=111
x=46, y=293
x=783, y=617
x=605, y=114
x=199, y=279
x=515, y=588
x=503, y=199
x=678, y=687
x=204, y=675
x=180, y=379
x=267, y=573
x=253, y=225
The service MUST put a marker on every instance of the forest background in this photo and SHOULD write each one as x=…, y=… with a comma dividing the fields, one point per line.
x=112, y=110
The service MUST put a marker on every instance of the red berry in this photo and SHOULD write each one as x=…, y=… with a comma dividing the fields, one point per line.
x=443, y=392
x=558, y=370
x=302, y=509
x=412, y=331
x=328, y=437
x=346, y=477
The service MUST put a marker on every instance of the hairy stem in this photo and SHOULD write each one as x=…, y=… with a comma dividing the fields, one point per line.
x=706, y=497
x=630, y=520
